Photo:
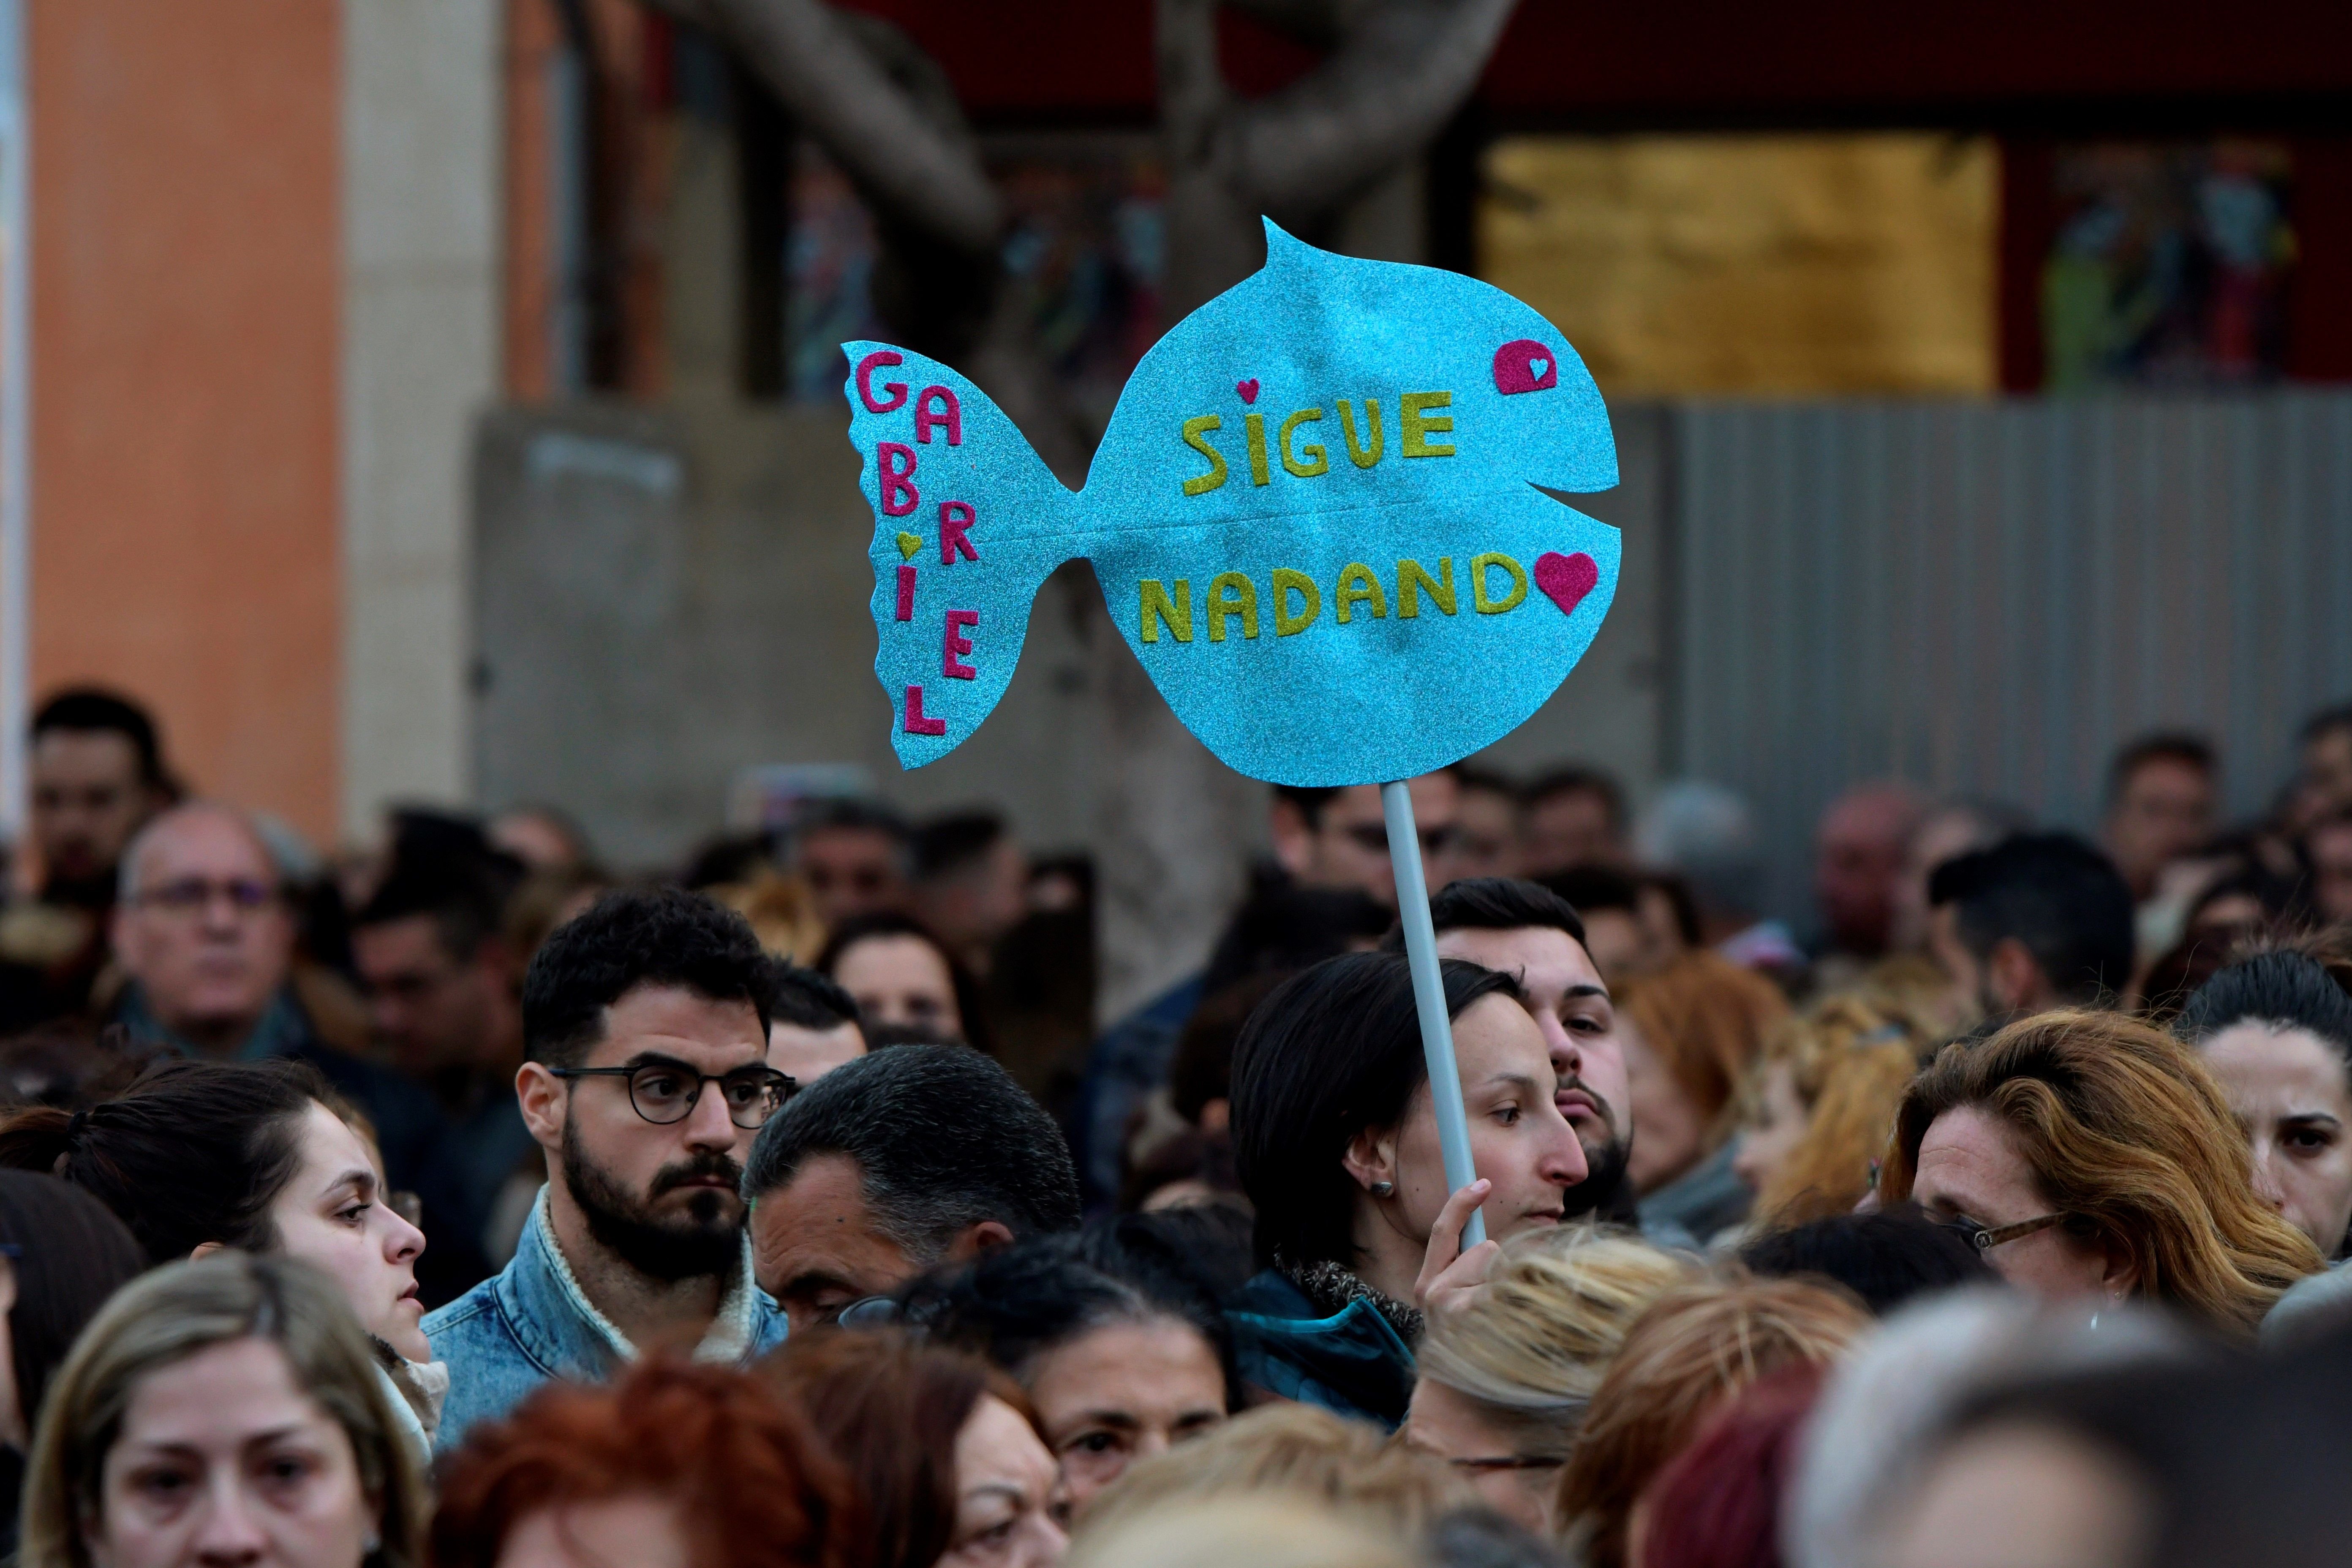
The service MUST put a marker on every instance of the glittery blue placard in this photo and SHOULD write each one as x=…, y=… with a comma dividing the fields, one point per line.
x=1329, y=438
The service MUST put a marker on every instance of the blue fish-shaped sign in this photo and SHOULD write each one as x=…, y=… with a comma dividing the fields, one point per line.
x=1315, y=516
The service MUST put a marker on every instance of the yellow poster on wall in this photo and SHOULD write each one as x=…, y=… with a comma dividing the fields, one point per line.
x=1741, y=264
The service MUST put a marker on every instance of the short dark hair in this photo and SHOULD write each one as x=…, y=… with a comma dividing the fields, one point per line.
x=651, y=936
x=2054, y=893
x=1595, y=888
x=1281, y=928
x=192, y=1152
x=850, y=813
x=1201, y=1069
x=1885, y=1258
x=806, y=999
x=1580, y=780
x=1335, y=1051
x=1307, y=800
x=86, y=709
x=946, y=845
x=2291, y=990
x=2162, y=746
x=943, y=1138
x=462, y=900
x=1019, y=1302
x=1495, y=903
x=72, y=1253
x=1470, y=776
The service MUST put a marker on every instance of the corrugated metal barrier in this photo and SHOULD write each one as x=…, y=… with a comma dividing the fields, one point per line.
x=1987, y=597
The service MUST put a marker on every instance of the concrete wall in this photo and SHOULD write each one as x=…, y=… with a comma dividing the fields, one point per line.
x=185, y=308
x=666, y=596
x=420, y=358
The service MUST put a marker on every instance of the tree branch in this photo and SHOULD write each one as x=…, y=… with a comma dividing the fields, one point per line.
x=814, y=62
x=1400, y=72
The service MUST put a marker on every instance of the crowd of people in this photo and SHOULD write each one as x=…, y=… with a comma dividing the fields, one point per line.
x=457, y=1199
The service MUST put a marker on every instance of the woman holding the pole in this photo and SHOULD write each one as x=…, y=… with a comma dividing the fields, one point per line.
x=1336, y=1133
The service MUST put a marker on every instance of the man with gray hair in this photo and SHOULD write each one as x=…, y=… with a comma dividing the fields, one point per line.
x=893, y=1163
x=204, y=929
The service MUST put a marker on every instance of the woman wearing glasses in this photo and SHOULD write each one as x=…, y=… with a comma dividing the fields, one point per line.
x=263, y=1157
x=2090, y=1156
x=1503, y=1382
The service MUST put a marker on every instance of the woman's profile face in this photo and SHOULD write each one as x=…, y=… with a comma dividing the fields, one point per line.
x=900, y=980
x=332, y=1216
x=1519, y=1140
x=2290, y=1092
x=1773, y=1132
x=223, y=1459
x=1122, y=1393
x=1008, y=1494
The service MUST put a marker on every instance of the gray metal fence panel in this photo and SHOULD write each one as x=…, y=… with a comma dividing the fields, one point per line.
x=1989, y=597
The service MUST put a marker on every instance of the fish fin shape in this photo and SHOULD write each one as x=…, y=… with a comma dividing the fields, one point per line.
x=941, y=465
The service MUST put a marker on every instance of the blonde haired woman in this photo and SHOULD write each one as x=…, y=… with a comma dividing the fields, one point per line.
x=1504, y=1380
x=2089, y=1156
x=1816, y=1106
x=224, y=1410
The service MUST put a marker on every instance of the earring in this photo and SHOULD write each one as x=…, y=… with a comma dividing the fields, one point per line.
x=1383, y=1189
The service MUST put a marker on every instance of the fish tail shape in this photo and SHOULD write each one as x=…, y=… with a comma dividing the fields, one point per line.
x=953, y=483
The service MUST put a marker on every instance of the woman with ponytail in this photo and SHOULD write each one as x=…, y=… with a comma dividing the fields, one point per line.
x=262, y=1157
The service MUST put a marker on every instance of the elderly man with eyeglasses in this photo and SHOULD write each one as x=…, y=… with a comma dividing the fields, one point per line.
x=203, y=931
x=645, y=1025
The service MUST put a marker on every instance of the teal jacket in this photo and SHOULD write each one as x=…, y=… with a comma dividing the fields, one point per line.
x=1351, y=1363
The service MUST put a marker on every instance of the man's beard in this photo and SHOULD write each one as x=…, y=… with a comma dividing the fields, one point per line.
x=1601, y=1186
x=1604, y=1168
x=706, y=1241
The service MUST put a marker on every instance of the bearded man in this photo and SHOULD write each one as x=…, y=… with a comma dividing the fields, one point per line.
x=645, y=1025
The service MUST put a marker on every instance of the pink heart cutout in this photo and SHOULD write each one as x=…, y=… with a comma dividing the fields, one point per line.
x=1248, y=389
x=1566, y=579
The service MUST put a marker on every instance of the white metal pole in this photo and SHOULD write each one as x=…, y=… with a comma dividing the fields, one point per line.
x=1429, y=998
x=16, y=395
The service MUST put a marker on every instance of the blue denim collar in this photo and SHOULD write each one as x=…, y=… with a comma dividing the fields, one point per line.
x=563, y=1331
x=542, y=1306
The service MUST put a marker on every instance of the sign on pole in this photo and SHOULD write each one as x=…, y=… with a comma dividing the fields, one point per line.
x=1322, y=516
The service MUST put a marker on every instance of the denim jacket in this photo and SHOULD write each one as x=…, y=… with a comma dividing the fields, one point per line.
x=531, y=1321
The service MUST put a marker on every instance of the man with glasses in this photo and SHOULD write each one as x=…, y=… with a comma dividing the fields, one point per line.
x=645, y=1023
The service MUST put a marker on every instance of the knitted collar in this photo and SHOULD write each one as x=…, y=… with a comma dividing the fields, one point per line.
x=1332, y=1287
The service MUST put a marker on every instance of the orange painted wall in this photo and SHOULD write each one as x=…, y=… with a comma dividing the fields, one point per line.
x=187, y=330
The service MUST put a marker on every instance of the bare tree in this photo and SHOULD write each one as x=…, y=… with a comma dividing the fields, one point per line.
x=1173, y=823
